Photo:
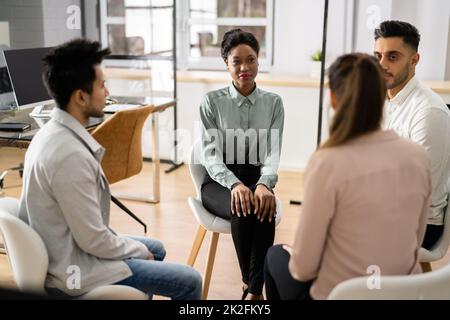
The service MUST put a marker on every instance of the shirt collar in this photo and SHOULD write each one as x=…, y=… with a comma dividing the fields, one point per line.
x=400, y=98
x=240, y=99
x=68, y=121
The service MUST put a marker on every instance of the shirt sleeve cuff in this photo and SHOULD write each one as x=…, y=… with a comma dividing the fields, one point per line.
x=231, y=180
x=265, y=180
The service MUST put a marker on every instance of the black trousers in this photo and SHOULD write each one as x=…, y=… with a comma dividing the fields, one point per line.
x=251, y=237
x=432, y=235
x=280, y=285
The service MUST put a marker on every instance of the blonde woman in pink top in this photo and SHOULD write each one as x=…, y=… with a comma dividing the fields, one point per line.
x=366, y=196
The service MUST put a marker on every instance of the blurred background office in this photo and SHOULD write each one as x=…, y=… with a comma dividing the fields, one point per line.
x=140, y=34
x=171, y=48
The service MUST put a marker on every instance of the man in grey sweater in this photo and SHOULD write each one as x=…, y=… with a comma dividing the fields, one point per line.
x=66, y=196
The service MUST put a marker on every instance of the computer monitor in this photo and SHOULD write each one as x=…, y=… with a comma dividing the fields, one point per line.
x=7, y=100
x=25, y=67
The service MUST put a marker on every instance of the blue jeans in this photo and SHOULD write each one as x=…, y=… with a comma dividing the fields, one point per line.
x=177, y=281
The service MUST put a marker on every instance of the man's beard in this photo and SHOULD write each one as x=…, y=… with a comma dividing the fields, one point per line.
x=94, y=112
x=398, y=79
x=97, y=114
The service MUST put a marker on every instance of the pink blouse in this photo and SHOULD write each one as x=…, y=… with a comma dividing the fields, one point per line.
x=365, y=204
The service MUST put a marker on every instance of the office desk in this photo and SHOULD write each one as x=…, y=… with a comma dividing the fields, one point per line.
x=23, y=139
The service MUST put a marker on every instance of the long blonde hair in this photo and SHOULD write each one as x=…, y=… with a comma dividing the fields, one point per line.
x=358, y=83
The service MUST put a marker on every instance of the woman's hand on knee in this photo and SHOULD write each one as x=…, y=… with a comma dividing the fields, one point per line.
x=265, y=205
x=241, y=200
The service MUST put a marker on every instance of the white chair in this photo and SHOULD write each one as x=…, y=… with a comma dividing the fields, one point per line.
x=28, y=258
x=434, y=285
x=206, y=220
x=440, y=249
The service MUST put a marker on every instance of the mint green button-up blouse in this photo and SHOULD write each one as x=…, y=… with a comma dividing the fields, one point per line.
x=238, y=129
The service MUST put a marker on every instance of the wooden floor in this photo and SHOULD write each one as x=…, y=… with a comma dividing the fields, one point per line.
x=172, y=222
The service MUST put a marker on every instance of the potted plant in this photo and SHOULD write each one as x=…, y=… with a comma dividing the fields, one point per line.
x=316, y=64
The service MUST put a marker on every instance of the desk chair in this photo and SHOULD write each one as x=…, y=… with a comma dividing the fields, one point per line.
x=28, y=258
x=206, y=220
x=121, y=136
x=433, y=285
x=440, y=249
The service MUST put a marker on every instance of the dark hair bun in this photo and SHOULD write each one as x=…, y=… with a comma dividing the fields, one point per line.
x=235, y=37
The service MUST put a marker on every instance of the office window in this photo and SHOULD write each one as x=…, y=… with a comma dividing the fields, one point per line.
x=204, y=22
x=140, y=36
x=137, y=27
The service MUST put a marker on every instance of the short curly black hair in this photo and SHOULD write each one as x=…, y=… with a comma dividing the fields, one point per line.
x=235, y=37
x=70, y=67
x=395, y=28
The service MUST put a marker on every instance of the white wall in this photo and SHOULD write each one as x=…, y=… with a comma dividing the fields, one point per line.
x=298, y=26
x=447, y=72
x=25, y=22
x=4, y=33
x=431, y=17
x=37, y=23
x=296, y=36
x=55, y=17
x=367, y=15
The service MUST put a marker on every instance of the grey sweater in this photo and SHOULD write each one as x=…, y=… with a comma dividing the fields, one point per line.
x=66, y=199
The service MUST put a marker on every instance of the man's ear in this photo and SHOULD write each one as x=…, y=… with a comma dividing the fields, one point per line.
x=80, y=97
x=415, y=59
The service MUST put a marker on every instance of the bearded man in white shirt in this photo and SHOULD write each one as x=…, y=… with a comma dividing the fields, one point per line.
x=415, y=112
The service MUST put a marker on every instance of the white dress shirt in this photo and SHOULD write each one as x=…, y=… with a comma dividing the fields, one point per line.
x=419, y=114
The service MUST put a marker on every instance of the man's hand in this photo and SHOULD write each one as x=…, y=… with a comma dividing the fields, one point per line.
x=150, y=256
x=241, y=200
x=265, y=205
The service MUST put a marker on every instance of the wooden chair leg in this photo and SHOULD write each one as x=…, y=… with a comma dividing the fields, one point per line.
x=2, y=249
x=210, y=263
x=426, y=267
x=196, y=245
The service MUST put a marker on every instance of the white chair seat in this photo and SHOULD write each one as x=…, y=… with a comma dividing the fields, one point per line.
x=28, y=258
x=114, y=292
x=10, y=205
x=434, y=285
x=206, y=219
x=430, y=256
